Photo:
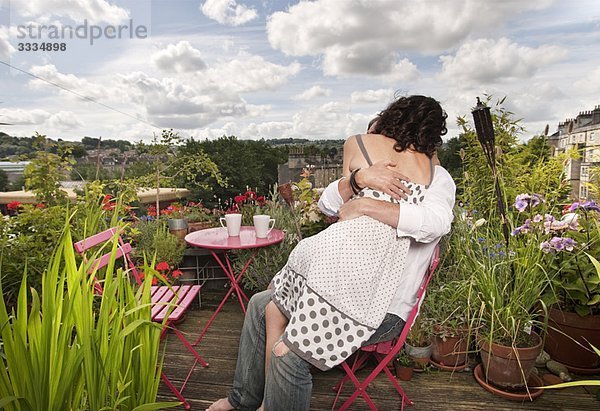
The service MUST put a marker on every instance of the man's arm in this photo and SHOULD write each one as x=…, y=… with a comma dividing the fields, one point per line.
x=425, y=222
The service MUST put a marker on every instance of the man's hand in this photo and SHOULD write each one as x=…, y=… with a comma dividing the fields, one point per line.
x=380, y=176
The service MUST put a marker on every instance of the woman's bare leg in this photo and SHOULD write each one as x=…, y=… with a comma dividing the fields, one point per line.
x=275, y=325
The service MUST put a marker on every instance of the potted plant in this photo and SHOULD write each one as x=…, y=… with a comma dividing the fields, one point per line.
x=199, y=217
x=403, y=366
x=154, y=242
x=574, y=297
x=447, y=308
x=418, y=343
x=175, y=215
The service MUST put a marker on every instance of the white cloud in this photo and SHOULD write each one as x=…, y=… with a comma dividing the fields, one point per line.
x=364, y=37
x=313, y=92
x=95, y=11
x=6, y=49
x=228, y=12
x=251, y=73
x=64, y=120
x=589, y=83
x=71, y=82
x=382, y=96
x=179, y=58
x=23, y=117
x=486, y=60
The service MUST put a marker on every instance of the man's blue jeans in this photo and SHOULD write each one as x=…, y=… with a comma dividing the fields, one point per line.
x=288, y=383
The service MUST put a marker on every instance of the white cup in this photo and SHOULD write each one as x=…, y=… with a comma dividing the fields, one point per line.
x=263, y=224
x=233, y=222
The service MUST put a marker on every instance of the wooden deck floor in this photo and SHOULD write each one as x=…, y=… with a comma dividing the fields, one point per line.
x=433, y=390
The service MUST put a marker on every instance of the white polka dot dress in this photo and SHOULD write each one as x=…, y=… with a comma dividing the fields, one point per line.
x=338, y=285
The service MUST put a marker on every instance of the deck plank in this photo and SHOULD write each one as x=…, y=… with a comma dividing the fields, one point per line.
x=433, y=390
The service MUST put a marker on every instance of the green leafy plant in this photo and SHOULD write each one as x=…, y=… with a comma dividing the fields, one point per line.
x=153, y=241
x=575, y=240
x=269, y=260
x=61, y=352
x=404, y=360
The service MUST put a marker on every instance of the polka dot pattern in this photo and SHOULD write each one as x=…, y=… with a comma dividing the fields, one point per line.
x=338, y=285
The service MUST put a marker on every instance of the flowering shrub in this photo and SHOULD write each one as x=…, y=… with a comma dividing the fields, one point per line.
x=170, y=275
x=248, y=204
x=567, y=243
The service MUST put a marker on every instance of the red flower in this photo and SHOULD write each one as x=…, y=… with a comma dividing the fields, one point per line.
x=261, y=200
x=154, y=281
x=152, y=211
x=176, y=273
x=240, y=199
x=163, y=266
x=13, y=205
x=40, y=205
x=250, y=194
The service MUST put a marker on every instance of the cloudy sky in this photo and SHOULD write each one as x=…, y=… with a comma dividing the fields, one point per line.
x=269, y=68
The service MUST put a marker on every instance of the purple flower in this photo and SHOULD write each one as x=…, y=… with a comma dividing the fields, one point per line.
x=537, y=218
x=521, y=202
x=524, y=200
x=557, y=244
x=573, y=206
x=525, y=228
x=590, y=206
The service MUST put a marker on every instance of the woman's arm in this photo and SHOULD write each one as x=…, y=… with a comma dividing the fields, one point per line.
x=425, y=222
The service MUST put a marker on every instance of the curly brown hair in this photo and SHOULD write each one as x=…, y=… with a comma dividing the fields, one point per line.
x=416, y=121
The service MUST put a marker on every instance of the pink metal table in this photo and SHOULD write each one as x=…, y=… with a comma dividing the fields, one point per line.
x=215, y=239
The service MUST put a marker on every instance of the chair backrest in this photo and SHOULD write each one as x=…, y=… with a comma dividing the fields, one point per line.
x=393, y=347
x=123, y=250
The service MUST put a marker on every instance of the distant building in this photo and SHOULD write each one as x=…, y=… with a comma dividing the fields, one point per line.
x=14, y=170
x=323, y=171
x=583, y=134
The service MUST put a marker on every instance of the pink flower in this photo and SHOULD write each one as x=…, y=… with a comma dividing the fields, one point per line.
x=163, y=266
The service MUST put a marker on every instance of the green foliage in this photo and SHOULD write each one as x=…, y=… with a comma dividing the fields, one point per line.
x=62, y=353
x=269, y=260
x=27, y=239
x=310, y=218
x=153, y=242
x=404, y=359
x=45, y=171
x=242, y=163
x=177, y=166
x=4, y=183
x=576, y=286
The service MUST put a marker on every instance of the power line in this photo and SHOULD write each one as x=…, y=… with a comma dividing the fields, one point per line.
x=79, y=95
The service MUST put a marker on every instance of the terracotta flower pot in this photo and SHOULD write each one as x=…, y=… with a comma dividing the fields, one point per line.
x=563, y=349
x=403, y=373
x=449, y=350
x=505, y=366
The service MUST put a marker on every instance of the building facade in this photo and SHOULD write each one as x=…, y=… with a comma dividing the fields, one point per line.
x=582, y=134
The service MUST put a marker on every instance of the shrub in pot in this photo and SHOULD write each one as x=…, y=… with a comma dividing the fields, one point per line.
x=403, y=366
x=418, y=343
x=575, y=293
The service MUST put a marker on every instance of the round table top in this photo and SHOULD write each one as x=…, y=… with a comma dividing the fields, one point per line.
x=217, y=238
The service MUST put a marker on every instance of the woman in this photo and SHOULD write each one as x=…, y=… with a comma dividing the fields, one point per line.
x=322, y=272
x=337, y=286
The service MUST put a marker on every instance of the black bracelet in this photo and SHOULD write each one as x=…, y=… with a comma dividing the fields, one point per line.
x=353, y=184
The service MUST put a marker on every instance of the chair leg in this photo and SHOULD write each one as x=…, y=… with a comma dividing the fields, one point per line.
x=174, y=390
x=395, y=383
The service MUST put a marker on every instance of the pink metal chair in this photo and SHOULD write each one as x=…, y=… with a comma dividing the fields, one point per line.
x=169, y=304
x=383, y=353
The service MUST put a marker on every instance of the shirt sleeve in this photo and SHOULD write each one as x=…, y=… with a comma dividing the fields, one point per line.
x=430, y=220
x=331, y=200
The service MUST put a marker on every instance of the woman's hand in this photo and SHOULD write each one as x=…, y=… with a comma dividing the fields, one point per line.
x=380, y=176
x=353, y=209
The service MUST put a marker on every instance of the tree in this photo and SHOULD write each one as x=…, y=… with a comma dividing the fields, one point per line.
x=45, y=171
x=243, y=163
x=4, y=183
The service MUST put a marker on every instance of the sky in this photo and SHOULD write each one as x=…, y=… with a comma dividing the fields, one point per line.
x=126, y=69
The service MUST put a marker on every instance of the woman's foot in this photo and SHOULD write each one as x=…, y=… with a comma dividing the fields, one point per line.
x=221, y=405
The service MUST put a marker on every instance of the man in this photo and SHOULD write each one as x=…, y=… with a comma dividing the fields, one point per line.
x=288, y=383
